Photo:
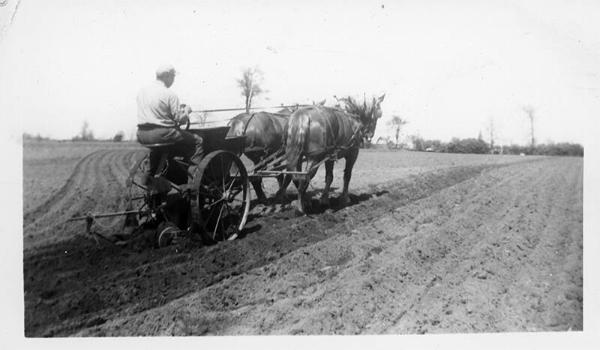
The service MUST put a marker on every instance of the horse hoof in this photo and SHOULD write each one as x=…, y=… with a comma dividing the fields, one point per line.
x=298, y=210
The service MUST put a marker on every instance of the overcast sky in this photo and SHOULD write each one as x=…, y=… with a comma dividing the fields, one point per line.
x=448, y=67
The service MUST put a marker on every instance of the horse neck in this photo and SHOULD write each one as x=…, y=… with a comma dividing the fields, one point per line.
x=346, y=126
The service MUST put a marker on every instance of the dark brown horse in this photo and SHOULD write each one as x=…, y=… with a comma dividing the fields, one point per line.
x=317, y=132
x=265, y=134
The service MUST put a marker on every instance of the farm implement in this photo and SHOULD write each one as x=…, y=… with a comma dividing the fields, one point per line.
x=208, y=201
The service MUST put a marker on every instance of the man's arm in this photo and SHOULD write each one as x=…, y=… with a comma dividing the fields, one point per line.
x=184, y=111
x=174, y=107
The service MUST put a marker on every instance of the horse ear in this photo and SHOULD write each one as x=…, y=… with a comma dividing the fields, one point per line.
x=322, y=103
x=380, y=99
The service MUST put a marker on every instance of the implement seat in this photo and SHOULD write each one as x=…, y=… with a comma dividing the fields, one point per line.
x=165, y=167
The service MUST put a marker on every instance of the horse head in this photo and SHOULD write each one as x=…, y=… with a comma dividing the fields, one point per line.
x=375, y=113
x=367, y=113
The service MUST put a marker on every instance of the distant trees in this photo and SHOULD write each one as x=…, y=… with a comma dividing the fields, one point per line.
x=201, y=118
x=559, y=149
x=471, y=145
x=119, y=136
x=491, y=130
x=251, y=85
x=456, y=145
x=397, y=123
x=420, y=144
x=478, y=146
x=30, y=137
x=530, y=114
x=85, y=134
x=549, y=149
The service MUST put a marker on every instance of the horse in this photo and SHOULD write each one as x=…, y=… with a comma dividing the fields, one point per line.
x=265, y=134
x=317, y=132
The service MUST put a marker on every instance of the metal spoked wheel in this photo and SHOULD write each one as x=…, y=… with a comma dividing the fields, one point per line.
x=223, y=200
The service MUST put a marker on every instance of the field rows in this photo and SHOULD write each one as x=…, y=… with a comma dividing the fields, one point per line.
x=431, y=243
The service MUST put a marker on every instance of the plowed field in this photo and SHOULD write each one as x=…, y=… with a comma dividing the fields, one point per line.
x=431, y=243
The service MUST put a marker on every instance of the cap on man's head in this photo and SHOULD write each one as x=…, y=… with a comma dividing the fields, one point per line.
x=164, y=70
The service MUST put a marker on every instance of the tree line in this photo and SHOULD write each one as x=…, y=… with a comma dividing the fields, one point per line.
x=479, y=146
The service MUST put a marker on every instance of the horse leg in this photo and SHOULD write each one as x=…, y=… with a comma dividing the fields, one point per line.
x=257, y=181
x=284, y=182
x=328, y=180
x=350, y=160
x=260, y=194
x=302, y=185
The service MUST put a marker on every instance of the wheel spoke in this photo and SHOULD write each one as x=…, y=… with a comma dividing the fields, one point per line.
x=217, y=224
x=233, y=179
x=222, y=174
x=237, y=171
x=210, y=213
x=217, y=202
x=230, y=184
x=235, y=193
x=140, y=186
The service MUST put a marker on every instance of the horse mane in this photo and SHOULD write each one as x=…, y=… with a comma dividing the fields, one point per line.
x=363, y=110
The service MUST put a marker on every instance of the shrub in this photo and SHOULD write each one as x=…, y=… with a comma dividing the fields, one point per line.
x=119, y=136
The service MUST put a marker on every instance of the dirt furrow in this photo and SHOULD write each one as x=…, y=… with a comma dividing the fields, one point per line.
x=34, y=215
x=480, y=273
x=96, y=185
x=47, y=220
x=87, y=193
x=549, y=283
x=91, y=285
x=447, y=262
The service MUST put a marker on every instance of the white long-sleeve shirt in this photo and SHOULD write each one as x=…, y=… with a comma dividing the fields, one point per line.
x=158, y=105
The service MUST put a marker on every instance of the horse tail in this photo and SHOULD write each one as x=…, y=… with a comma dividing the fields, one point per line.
x=298, y=128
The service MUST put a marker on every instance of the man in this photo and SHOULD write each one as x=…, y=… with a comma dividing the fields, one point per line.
x=159, y=115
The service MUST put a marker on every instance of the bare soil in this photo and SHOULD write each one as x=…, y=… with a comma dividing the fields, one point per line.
x=453, y=244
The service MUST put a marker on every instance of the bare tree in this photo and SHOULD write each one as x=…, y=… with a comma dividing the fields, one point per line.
x=397, y=122
x=86, y=134
x=492, y=132
x=250, y=84
x=201, y=118
x=530, y=111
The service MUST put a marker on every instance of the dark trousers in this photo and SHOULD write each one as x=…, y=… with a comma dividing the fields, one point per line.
x=185, y=144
